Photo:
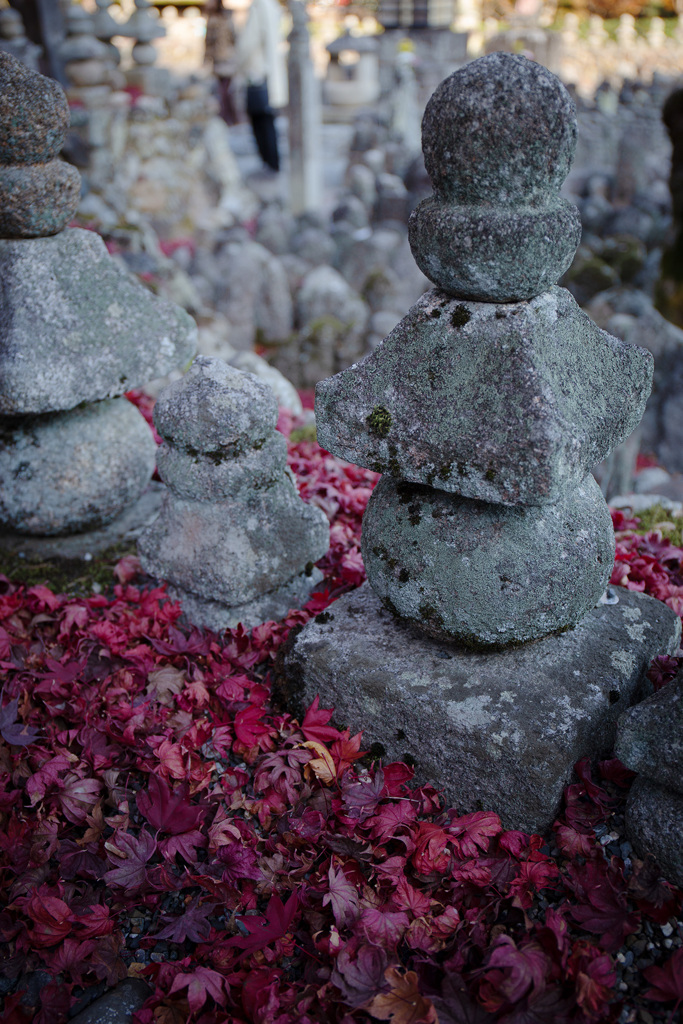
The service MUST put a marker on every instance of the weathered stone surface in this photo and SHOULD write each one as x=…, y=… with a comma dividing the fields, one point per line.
x=654, y=824
x=34, y=114
x=499, y=731
x=213, y=479
x=510, y=404
x=37, y=199
x=234, y=551
x=483, y=574
x=70, y=471
x=123, y=530
x=216, y=409
x=650, y=737
x=74, y=327
x=271, y=607
x=498, y=138
x=116, y=1006
x=494, y=255
x=500, y=131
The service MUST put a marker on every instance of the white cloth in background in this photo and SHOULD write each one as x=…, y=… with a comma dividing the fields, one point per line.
x=260, y=52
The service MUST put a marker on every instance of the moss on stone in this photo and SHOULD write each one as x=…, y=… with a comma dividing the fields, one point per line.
x=379, y=421
x=460, y=316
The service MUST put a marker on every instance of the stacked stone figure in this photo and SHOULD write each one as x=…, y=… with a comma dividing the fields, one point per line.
x=650, y=742
x=234, y=539
x=76, y=332
x=485, y=409
x=489, y=403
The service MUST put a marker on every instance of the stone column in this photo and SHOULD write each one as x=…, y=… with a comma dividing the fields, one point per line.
x=485, y=409
x=304, y=113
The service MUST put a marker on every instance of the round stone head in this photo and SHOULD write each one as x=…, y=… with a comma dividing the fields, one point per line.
x=34, y=114
x=498, y=137
x=215, y=408
x=502, y=130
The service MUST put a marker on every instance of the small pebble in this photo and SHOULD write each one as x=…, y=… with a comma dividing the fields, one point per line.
x=667, y=929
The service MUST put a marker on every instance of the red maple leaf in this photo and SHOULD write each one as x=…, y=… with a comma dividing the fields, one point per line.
x=667, y=982
x=314, y=725
x=201, y=984
x=169, y=810
x=52, y=918
x=342, y=896
x=603, y=908
x=130, y=854
x=267, y=928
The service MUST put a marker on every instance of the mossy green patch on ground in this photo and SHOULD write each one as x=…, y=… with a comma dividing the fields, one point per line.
x=66, y=575
x=659, y=518
x=305, y=433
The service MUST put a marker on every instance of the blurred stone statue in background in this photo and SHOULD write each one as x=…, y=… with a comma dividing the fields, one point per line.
x=220, y=52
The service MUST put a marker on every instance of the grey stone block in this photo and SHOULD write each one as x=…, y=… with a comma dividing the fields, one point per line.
x=72, y=471
x=654, y=824
x=500, y=131
x=494, y=255
x=216, y=409
x=74, y=327
x=272, y=606
x=202, y=476
x=38, y=199
x=235, y=550
x=116, y=1006
x=650, y=737
x=497, y=731
x=510, y=403
x=482, y=574
x=34, y=114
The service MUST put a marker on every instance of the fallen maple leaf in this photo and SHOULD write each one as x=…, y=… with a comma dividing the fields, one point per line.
x=169, y=810
x=274, y=924
x=403, y=1004
x=13, y=731
x=667, y=982
x=343, y=898
x=201, y=984
x=131, y=854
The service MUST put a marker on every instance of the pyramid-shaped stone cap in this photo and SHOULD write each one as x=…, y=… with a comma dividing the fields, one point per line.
x=216, y=408
x=34, y=114
x=650, y=734
x=75, y=327
x=510, y=404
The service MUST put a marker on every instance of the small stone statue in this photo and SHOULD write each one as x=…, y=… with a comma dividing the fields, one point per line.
x=234, y=539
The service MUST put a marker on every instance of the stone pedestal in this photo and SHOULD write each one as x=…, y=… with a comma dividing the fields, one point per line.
x=497, y=731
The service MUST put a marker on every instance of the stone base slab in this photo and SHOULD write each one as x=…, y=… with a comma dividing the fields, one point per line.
x=496, y=731
x=654, y=824
x=272, y=606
